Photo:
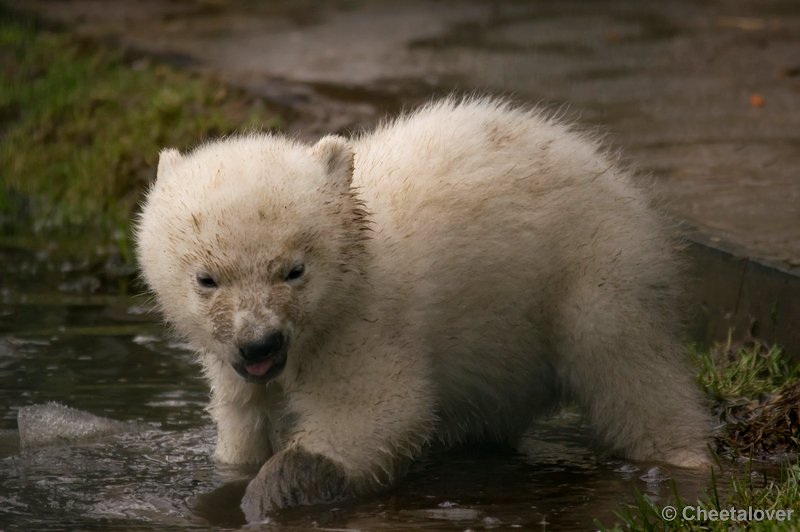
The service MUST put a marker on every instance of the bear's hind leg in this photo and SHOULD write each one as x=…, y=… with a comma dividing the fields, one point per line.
x=633, y=379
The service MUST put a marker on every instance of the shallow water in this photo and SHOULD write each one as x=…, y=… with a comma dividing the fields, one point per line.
x=67, y=335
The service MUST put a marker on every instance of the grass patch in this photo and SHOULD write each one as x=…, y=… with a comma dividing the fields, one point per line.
x=755, y=390
x=730, y=373
x=81, y=126
x=756, y=393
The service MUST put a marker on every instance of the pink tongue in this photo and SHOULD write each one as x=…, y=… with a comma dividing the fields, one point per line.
x=259, y=369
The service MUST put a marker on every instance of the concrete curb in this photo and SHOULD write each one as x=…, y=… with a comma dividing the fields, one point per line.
x=733, y=292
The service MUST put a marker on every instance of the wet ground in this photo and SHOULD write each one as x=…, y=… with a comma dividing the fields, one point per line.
x=67, y=335
x=702, y=96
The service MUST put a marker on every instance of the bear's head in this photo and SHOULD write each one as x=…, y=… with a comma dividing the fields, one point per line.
x=254, y=248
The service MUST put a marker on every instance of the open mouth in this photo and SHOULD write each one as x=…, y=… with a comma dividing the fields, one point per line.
x=261, y=371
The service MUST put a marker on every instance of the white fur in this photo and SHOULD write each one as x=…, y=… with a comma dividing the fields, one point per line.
x=484, y=263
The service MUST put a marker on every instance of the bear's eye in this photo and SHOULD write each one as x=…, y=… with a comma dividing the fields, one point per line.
x=296, y=272
x=206, y=281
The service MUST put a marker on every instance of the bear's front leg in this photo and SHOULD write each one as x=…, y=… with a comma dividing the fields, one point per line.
x=295, y=477
x=358, y=420
x=240, y=411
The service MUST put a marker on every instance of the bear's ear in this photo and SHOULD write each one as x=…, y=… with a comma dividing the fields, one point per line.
x=336, y=157
x=166, y=160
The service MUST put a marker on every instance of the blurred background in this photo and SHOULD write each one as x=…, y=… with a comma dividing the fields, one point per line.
x=702, y=98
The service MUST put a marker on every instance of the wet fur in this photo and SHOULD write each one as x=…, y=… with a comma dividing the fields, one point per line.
x=469, y=267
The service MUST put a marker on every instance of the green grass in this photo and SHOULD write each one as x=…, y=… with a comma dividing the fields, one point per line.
x=730, y=376
x=81, y=126
x=729, y=373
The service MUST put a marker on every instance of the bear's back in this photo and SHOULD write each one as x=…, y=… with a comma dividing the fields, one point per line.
x=456, y=173
x=453, y=160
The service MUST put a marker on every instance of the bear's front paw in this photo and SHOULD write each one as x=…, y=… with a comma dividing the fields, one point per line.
x=294, y=477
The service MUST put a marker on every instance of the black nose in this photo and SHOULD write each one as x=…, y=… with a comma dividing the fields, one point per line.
x=263, y=348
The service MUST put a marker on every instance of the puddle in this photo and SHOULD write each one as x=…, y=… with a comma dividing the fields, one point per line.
x=104, y=354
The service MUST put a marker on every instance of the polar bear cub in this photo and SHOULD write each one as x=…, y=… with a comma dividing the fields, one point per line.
x=446, y=278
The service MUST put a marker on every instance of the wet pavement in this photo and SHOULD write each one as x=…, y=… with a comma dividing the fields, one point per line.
x=703, y=97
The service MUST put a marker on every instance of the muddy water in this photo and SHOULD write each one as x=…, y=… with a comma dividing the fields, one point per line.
x=67, y=334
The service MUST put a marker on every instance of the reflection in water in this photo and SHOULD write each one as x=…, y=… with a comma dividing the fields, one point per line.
x=103, y=353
